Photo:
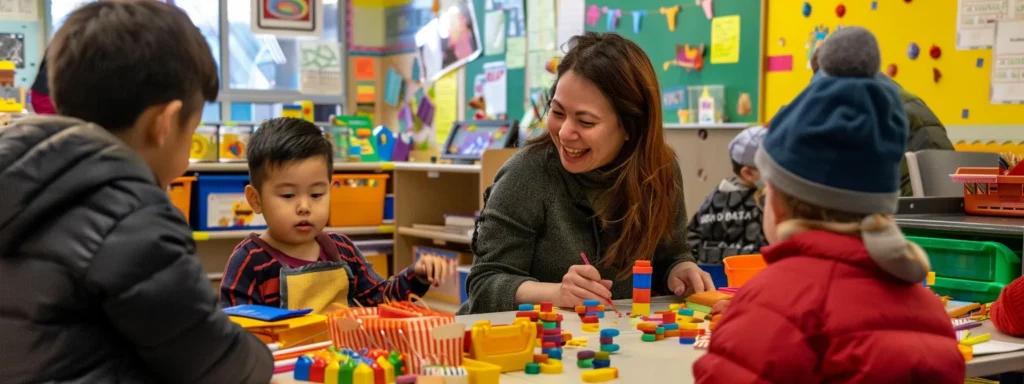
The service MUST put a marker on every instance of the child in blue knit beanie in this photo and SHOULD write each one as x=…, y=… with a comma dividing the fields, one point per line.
x=841, y=299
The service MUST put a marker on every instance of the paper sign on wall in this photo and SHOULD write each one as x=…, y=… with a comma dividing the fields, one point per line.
x=320, y=69
x=496, y=88
x=725, y=40
x=288, y=18
x=494, y=34
x=1008, y=63
x=19, y=10
x=392, y=87
x=364, y=68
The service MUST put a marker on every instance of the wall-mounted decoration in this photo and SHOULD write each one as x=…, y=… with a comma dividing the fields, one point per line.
x=288, y=17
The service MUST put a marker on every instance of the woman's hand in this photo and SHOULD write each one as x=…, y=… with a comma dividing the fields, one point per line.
x=687, y=278
x=582, y=282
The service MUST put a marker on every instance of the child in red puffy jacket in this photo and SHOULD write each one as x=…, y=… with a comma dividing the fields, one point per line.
x=841, y=299
x=1008, y=311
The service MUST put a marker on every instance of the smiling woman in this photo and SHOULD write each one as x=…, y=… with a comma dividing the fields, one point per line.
x=602, y=182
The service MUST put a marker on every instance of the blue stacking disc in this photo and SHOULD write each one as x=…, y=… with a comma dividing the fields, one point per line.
x=687, y=340
x=602, y=363
x=685, y=312
x=554, y=353
x=525, y=307
x=591, y=303
x=600, y=315
x=670, y=326
x=609, y=332
x=642, y=281
x=610, y=348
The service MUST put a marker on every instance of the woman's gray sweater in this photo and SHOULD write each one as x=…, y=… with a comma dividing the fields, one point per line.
x=537, y=219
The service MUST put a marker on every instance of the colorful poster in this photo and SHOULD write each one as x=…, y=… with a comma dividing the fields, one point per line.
x=673, y=99
x=1008, y=63
x=288, y=17
x=725, y=40
x=320, y=69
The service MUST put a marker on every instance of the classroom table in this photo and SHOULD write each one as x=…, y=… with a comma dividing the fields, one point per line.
x=640, y=361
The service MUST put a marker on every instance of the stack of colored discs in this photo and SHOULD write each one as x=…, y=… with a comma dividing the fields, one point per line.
x=585, y=358
x=650, y=331
x=552, y=338
x=526, y=310
x=608, y=340
x=642, y=271
x=659, y=333
x=602, y=359
x=688, y=336
x=591, y=323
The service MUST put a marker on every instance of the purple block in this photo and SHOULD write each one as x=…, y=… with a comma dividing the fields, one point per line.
x=585, y=354
x=426, y=111
x=403, y=143
x=607, y=340
x=552, y=338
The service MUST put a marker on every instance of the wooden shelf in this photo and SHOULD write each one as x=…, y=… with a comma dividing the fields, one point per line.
x=435, y=235
x=445, y=168
x=348, y=231
x=215, y=276
x=338, y=167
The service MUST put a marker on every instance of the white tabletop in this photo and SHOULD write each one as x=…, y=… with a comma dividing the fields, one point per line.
x=641, y=361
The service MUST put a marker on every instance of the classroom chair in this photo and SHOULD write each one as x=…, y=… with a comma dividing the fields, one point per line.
x=930, y=170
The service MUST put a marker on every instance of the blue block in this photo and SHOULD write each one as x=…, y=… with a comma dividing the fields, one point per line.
x=685, y=312
x=602, y=363
x=610, y=348
x=600, y=315
x=717, y=272
x=302, y=366
x=687, y=340
x=609, y=332
x=553, y=353
x=670, y=326
x=525, y=307
x=591, y=303
x=642, y=281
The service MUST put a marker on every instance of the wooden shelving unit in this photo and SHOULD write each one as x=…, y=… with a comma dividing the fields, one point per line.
x=242, y=167
x=438, y=237
x=347, y=231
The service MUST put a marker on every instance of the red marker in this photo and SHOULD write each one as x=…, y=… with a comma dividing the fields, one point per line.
x=587, y=262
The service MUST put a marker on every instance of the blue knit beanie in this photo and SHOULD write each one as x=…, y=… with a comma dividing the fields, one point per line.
x=839, y=144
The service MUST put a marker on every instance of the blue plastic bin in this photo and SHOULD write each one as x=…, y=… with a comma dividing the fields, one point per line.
x=717, y=273
x=389, y=208
x=222, y=204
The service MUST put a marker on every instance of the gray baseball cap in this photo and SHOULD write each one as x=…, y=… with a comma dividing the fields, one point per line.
x=743, y=147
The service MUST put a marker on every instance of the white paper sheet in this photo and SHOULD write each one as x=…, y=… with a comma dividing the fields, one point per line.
x=975, y=21
x=1008, y=63
x=994, y=346
x=571, y=15
x=20, y=10
x=496, y=88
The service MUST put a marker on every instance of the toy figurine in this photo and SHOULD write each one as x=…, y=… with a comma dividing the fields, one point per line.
x=479, y=107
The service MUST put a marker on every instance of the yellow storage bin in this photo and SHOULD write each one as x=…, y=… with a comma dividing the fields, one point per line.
x=380, y=263
x=357, y=200
x=180, y=192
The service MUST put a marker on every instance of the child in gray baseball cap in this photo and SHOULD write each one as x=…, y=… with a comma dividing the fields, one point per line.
x=728, y=223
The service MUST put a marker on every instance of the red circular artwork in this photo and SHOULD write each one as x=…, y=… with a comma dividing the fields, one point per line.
x=891, y=70
x=840, y=10
x=935, y=52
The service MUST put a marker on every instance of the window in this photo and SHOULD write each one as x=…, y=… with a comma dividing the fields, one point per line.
x=211, y=112
x=205, y=14
x=60, y=9
x=266, y=62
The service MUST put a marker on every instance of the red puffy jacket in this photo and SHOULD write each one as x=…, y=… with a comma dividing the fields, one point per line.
x=823, y=311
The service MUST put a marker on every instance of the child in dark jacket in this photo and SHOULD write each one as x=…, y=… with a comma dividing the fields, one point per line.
x=99, y=282
x=728, y=223
x=841, y=299
x=293, y=264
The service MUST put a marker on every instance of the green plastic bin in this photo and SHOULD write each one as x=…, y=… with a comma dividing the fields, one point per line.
x=982, y=261
x=968, y=290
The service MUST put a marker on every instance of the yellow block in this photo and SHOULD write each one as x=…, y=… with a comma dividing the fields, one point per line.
x=507, y=346
x=641, y=309
x=480, y=372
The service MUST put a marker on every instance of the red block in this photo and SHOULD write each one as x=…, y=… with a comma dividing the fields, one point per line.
x=532, y=315
x=556, y=331
x=688, y=333
x=548, y=345
x=641, y=296
x=598, y=308
x=668, y=317
x=545, y=306
x=590, y=319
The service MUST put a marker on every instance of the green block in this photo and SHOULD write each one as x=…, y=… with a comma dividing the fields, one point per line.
x=588, y=363
x=532, y=368
x=659, y=331
x=548, y=325
x=648, y=337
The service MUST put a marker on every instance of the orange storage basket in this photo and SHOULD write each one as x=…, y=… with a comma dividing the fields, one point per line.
x=987, y=192
x=739, y=269
x=181, y=194
x=357, y=200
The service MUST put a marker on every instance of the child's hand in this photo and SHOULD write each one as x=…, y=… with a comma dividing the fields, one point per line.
x=431, y=269
x=720, y=307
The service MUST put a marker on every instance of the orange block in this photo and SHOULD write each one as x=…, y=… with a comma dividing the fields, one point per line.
x=540, y=358
x=641, y=295
x=688, y=333
x=672, y=333
x=647, y=327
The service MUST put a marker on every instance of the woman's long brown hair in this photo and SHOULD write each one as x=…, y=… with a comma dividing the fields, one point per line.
x=642, y=203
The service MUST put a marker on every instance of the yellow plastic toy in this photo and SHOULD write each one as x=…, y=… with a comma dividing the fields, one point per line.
x=480, y=372
x=600, y=375
x=507, y=346
x=552, y=367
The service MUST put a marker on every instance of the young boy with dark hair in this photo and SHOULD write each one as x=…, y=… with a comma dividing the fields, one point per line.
x=728, y=223
x=98, y=280
x=293, y=264
x=841, y=299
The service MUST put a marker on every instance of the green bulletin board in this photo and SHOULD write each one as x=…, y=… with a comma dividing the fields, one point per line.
x=693, y=27
x=516, y=78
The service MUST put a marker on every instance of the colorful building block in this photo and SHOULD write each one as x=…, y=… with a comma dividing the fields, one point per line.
x=532, y=368
x=642, y=309
x=599, y=375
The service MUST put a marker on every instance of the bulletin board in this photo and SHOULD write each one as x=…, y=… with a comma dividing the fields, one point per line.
x=27, y=34
x=515, y=77
x=693, y=27
x=960, y=97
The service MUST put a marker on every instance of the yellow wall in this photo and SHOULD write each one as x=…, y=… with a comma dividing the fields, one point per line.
x=896, y=24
